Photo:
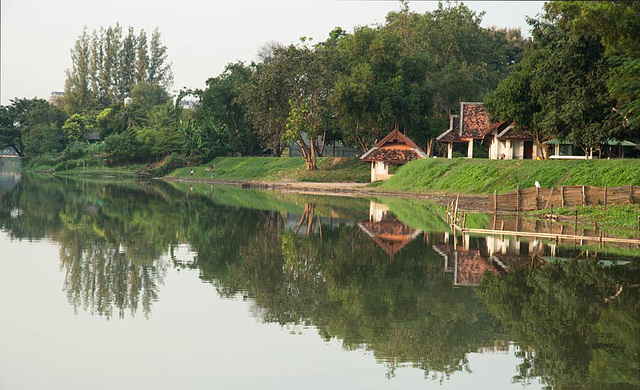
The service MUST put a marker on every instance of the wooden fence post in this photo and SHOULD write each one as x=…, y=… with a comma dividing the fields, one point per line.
x=631, y=194
x=562, y=195
x=605, y=197
x=537, y=197
x=495, y=201
x=519, y=199
x=584, y=196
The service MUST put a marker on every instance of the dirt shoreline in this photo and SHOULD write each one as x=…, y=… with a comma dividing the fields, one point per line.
x=467, y=202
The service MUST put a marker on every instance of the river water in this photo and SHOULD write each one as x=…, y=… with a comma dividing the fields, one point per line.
x=136, y=285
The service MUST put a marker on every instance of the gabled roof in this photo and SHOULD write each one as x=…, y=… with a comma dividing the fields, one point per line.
x=510, y=131
x=474, y=120
x=473, y=123
x=390, y=234
x=451, y=135
x=395, y=148
x=396, y=137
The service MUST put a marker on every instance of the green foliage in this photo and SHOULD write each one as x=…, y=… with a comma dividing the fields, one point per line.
x=415, y=69
x=124, y=148
x=77, y=126
x=42, y=139
x=222, y=101
x=79, y=150
x=579, y=80
x=106, y=67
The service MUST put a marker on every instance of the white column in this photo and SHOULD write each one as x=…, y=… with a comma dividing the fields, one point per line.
x=450, y=150
x=470, y=149
x=373, y=171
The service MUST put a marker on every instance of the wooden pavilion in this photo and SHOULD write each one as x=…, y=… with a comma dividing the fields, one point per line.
x=394, y=149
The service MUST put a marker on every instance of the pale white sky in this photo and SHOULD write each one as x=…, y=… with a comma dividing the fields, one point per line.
x=201, y=36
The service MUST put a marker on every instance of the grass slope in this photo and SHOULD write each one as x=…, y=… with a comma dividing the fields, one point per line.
x=329, y=169
x=480, y=176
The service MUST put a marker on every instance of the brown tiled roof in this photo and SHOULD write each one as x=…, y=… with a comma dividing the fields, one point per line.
x=513, y=133
x=390, y=234
x=474, y=119
x=395, y=156
x=451, y=135
x=395, y=148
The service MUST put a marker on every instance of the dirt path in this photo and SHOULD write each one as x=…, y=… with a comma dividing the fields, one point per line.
x=467, y=202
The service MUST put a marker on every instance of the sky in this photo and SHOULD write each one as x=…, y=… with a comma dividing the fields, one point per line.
x=201, y=36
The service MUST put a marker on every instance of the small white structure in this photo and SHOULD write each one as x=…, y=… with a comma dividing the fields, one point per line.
x=396, y=148
x=127, y=101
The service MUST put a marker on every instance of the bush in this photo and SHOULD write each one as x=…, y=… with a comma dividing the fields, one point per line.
x=123, y=148
x=79, y=150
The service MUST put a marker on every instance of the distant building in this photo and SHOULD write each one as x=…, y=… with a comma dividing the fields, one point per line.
x=503, y=140
x=188, y=104
x=56, y=96
x=561, y=149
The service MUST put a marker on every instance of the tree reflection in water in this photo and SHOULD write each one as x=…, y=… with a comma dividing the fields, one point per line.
x=392, y=286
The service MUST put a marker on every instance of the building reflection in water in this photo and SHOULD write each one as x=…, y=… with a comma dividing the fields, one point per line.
x=386, y=230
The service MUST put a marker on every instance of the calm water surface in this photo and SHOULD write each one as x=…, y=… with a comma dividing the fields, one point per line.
x=155, y=285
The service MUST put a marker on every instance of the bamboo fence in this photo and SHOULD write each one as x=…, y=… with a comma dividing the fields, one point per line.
x=529, y=199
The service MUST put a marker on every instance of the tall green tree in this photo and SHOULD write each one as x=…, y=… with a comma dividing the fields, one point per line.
x=308, y=120
x=617, y=24
x=142, y=59
x=559, y=90
x=127, y=68
x=267, y=100
x=159, y=70
x=222, y=101
x=78, y=96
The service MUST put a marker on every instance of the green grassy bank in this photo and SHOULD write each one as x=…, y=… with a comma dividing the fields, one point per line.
x=481, y=176
x=329, y=169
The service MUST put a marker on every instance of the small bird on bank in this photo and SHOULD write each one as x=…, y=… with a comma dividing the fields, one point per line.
x=537, y=184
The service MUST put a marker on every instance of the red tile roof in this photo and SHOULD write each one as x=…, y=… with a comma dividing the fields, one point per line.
x=476, y=125
x=395, y=148
x=452, y=134
x=395, y=156
x=390, y=234
x=474, y=120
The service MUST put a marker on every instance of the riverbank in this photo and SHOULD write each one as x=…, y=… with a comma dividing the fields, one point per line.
x=482, y=176
x=435, y=179
x=279, y=170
